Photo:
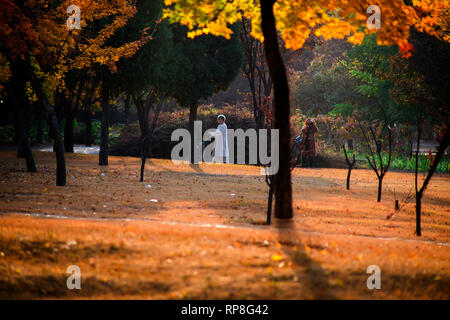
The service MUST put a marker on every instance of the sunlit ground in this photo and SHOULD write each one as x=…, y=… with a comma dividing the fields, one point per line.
x=197, y=232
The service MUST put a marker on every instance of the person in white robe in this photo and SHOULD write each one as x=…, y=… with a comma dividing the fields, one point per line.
x=221, y=154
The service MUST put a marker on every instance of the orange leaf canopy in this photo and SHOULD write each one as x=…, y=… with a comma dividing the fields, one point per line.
x=296, y=19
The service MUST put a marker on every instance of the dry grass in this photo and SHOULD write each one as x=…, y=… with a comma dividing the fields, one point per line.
x=200, y=241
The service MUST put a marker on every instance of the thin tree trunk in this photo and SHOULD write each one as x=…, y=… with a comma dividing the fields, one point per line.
x=418, y=213
x=143, y=123
x=283, y=188
x=104, y=133
x=380, y=185
x=348, y=177
x=143, y=109
x=144, y=147
x=416, y=172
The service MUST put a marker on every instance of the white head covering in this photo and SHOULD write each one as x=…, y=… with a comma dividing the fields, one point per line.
x=221, y=115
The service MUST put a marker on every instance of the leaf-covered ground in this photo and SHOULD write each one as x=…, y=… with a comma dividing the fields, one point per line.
x=191, y=232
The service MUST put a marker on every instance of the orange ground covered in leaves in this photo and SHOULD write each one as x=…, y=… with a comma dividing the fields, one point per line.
x=205, y=238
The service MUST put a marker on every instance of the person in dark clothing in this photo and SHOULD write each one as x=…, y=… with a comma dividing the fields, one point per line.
x=308, y=142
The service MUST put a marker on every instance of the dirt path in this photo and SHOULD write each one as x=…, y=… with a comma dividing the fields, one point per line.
x=197, y=232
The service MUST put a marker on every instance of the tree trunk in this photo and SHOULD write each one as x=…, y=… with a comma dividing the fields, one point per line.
x=104, y=133
x=418, y=212
x=143, y=124
x=54, y=126
x=192, y=118
x=144, y=147
x=283, y=188
x=22, y=135
x=380, y=184
x=88, y=128
x=143, y=109
x=348, y=177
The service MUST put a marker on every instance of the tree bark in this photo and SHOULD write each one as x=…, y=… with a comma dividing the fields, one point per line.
x=418, y=213
x=348, y=177
x=104, y=132
x=380, y=185
x=283, y=188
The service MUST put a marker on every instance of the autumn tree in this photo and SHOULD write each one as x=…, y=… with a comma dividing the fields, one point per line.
x=38, y=43
x=295, y=20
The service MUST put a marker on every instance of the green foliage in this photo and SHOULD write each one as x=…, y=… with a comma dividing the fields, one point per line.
x=79, y=132
x=152, y=65
x=205, y=65
x=399, y=162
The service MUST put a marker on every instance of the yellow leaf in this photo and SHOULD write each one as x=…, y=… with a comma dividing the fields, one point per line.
x=277, y=257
